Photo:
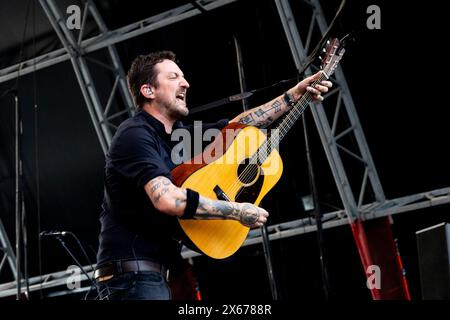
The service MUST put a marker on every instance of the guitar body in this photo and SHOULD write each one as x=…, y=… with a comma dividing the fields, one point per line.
x=227, y=171
x=240, y=165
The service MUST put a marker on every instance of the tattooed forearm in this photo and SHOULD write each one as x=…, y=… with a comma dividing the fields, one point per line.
x=246, y=213
x=175, y=201
x=172, y=200
x=215, y=208
x=260, y=113
x=247, y=119
x=264, y=115
x=275, y=106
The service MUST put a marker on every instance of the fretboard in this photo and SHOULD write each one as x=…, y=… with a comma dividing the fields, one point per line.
x=280, y=131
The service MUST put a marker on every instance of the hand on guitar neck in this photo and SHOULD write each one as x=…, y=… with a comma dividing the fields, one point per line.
x=312, y=85
x=170, y=199
x=264, y=115
x=243, y=167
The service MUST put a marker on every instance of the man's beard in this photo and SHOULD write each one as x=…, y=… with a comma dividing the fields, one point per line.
x=175, y=110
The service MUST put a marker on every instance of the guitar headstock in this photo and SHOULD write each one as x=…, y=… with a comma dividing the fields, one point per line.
x=333, y=54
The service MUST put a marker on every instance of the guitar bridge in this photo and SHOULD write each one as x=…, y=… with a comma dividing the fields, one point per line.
x=220, y=194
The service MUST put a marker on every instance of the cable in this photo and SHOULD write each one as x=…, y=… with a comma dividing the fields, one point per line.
x=60, y=239
x=21, y=242
x=90, y=263
x=322, y=41
x=59, y=235
x=310, y=59
x=82, y=248
x=16, y=86
x=317, y=214
x=237, y=97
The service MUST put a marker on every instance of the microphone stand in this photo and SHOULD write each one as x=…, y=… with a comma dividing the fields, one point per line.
x=63, y=244
x=19, y=199
x=242, y=96
x=268, y=257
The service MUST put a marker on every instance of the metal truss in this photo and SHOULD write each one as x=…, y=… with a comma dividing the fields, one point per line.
x=340, y=217
x=48, y=281
x=111, y=37
x=6, y=252
x=76, y=50
x=99, y=114
x=276, y=232
x=352, y=199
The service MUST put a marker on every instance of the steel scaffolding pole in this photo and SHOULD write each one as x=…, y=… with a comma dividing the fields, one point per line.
x=81, y=71
x=117, y=65
x=100, y=116
x=356, y=127
x=352, y=200
x=112, y=37
x=379, y=208
x=276, y=232
x=365, y=236
x=8, y=252
x=75, y=51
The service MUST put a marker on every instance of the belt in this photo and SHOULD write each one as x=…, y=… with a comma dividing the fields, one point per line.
x=114, y=268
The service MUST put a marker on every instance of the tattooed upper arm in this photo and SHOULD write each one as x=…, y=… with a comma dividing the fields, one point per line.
x=157, y=187
x=165, y=196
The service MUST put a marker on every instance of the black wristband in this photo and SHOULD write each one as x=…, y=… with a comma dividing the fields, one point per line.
x=192, y=198
x=288, y=100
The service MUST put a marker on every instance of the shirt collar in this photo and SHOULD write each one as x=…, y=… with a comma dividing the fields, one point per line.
x=158, y=125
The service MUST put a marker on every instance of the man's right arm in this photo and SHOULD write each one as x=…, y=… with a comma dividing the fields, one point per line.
x=170, y=199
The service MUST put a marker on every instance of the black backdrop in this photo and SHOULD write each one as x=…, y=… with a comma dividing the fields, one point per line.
x=397, y=79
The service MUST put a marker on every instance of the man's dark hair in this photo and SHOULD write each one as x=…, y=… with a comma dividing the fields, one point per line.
x=142, y=71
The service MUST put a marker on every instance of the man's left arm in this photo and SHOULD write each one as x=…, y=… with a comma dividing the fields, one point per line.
x=267, y=113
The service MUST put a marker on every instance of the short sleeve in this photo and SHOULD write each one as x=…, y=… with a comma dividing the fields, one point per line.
x=135, y=155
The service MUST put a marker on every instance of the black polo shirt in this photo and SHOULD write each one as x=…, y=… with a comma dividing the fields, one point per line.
x=132, y=228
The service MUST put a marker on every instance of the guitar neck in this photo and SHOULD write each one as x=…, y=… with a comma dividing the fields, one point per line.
x=280, y=131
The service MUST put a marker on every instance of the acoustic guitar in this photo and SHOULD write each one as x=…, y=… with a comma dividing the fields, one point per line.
x=241, y=165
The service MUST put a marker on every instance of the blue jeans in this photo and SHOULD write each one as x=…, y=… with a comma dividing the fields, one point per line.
x=144, y=285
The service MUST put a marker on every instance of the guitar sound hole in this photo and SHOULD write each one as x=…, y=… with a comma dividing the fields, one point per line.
x=248, y=173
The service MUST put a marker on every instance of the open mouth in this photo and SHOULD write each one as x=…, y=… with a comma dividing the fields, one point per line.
x=181, y=96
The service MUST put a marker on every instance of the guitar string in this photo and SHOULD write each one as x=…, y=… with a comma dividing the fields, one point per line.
x=262, y=152
x=284, y=126
x=268, y=144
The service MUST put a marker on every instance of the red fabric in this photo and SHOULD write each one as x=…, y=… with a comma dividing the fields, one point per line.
x=376, y=246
